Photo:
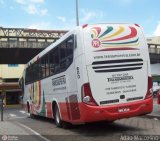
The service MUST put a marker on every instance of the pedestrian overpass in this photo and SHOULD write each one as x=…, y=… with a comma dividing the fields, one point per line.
x=19, y=45
x=154, y=52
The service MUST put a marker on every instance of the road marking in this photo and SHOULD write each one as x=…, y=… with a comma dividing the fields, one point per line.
x=18, y=117
x=36, y=133
x=12, y=115
x=155, y=118
x=23, y=112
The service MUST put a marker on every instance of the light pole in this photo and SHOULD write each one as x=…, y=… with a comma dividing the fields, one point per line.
x=77, y=18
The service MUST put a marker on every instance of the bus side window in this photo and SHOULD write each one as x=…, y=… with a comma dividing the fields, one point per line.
x=69, y=52
x=47, y=64
x=42, y=69
x=36, y=71
x=51, y=61
x=62, y=48
x=31, y=78
x=56, y=60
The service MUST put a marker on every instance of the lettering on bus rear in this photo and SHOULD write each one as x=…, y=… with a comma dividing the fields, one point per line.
x=125, y=79
x=116, y=78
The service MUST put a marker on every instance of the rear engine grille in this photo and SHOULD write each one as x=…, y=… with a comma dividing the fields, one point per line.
x=117, y=65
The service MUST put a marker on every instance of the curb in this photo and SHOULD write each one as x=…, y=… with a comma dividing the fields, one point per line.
x=150, y=116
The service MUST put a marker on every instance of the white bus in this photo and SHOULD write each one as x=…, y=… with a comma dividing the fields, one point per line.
x=97, y=72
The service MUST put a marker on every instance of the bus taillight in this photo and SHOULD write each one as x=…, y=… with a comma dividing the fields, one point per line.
x=150, y=91
x=87, y=95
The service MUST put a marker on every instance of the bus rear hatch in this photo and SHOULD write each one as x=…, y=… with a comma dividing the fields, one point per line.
x=116, y=63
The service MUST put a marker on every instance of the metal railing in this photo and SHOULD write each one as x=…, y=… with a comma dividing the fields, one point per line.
x=24, y=44
x=153, y=48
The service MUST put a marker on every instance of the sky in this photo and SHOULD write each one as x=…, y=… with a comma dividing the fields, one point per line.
x=61, y=14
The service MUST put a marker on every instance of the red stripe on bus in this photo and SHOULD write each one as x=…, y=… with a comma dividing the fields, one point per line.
x=90, y=113
x=49, y=110
x=115, y=49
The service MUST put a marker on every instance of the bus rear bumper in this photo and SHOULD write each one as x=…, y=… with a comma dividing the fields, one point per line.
x=110, y=113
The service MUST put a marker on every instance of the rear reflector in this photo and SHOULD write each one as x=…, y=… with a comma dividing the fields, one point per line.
x=150, y=91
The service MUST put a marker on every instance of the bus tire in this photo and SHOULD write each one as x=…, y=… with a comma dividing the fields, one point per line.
x=57, y=118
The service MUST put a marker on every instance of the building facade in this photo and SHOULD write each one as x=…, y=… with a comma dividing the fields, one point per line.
x=9, y=86
x=19, y=38
x=155, y=68
x=153, y=40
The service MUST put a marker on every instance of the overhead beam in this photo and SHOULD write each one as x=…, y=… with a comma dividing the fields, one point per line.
x=17, y=55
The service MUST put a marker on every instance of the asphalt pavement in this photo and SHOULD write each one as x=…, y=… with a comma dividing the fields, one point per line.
x=156, y=109
x=13, y=130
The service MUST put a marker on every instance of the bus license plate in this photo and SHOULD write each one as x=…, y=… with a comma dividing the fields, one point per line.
x=125, y=109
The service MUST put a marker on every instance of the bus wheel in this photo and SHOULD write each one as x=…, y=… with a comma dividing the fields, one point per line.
x=57, y=117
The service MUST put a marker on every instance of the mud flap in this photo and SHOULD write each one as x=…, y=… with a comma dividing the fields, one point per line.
x=158, y=97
